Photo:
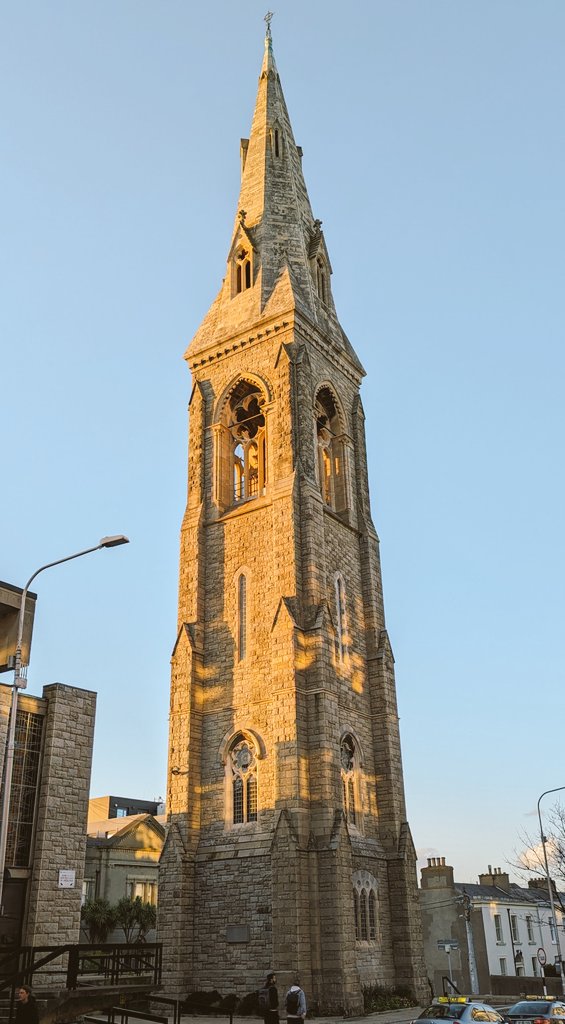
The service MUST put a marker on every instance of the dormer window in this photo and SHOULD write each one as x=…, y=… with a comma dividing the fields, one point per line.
x=242, y=270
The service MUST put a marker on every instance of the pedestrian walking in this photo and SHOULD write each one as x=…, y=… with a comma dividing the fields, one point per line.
x=295, y=1003
x=26, y=1010
x=269, y=1000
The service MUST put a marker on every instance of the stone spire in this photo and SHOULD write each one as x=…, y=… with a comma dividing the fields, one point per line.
x=275, y=229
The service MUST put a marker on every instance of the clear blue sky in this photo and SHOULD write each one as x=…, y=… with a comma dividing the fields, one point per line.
x=434, y=154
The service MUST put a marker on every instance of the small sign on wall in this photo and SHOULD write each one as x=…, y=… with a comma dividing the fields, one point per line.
x=67, y=878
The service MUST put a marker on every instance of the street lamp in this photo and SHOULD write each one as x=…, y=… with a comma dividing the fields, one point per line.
x=549, y=886
x=20, y=680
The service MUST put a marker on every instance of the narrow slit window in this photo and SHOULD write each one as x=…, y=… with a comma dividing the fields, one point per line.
x=241, y=617
x=277, y=150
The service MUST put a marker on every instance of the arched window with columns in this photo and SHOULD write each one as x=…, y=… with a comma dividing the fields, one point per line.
x=240, y=448
x=241, y=768
x=365, y=907
x=331, y=451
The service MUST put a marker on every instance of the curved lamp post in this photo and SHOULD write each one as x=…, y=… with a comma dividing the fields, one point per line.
x=21, y=681
x=549, y=886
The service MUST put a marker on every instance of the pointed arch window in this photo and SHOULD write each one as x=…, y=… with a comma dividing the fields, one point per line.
x=331, y=452
x=341, y=618
x=241, y=616
x=349, y=780
x=365, y=907
x=372, y=907
x=242, y=270
x=322, y=279
x=356, y=914
x=242, y=781
x=240, y=447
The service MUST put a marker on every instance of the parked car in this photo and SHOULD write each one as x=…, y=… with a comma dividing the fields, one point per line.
x=460, y=1008
x=537, y=1010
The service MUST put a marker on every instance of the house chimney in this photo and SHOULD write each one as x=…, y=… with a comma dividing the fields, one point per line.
x=497, y=878
x=437, y=875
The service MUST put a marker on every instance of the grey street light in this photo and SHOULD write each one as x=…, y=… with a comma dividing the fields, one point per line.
x=20, y=681
x=549, y=885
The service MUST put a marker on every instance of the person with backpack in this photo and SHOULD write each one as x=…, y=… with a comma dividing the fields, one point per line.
x=269, y=1000
x=295, y=1003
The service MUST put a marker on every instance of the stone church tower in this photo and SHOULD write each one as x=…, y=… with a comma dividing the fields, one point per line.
x=288, y=846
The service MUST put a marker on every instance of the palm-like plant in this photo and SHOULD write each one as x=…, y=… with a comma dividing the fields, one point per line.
x=98, y=919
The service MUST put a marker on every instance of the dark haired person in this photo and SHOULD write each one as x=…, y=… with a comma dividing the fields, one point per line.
x=269, y=1000
x=26, y=1009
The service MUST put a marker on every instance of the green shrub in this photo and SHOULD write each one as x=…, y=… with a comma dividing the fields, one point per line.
x=377, y=997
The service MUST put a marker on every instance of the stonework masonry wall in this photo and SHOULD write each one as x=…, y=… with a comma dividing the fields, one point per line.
x=54, y=913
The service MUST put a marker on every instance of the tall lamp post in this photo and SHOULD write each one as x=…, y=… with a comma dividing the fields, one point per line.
x=549, y=885
x=20, y=680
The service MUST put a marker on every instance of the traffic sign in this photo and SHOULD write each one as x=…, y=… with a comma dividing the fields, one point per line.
x=542, y=957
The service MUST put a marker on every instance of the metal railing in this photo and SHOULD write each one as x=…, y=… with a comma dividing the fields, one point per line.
x=77, y=965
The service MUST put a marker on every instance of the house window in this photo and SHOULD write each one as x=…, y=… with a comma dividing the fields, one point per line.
x=241, y=617
x=530, y=928
x=514, y=927
x=242, y=779
x=88, y=890
x=349, y=779
x=535, y=966
x=27, y=755
x=502, y=962
x=498, y=928
x=141, y=889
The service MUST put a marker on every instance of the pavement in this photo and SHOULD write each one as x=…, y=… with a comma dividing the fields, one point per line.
x=403, y=1016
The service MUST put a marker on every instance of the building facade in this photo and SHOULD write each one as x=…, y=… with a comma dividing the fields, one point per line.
x=48, y=808
x=288, y=846
x=493, y=929
x=122, y=858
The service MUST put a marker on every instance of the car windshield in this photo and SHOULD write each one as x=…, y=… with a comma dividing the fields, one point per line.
x=529, y=1009
x=444, y=1011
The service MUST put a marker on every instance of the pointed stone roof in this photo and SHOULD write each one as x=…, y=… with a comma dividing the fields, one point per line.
x=276, y=227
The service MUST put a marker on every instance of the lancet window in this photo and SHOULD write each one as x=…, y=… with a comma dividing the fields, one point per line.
x=322, y=279
x=242, y=270
x=349, y=780
x=365, y=907
x=331, y=451
x=240, y=456
x=242, y=780
x=241, y=616
x=341, y=618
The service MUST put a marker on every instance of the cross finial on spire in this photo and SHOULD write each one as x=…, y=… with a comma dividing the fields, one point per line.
x=268, y=19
